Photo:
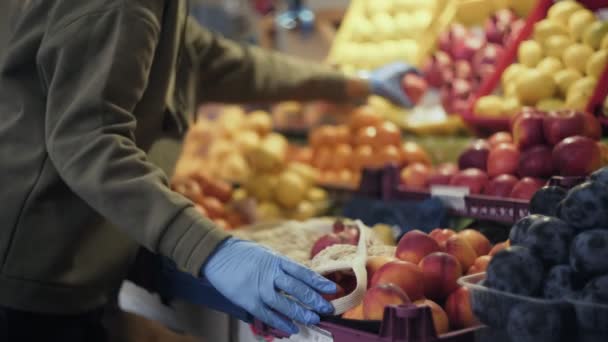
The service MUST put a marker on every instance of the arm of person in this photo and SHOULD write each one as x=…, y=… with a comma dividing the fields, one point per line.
x=95, y=70
x=233, y=72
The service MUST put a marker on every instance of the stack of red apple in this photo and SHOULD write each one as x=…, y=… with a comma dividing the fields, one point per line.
x=466, y=57
x=541, y=145
x=424, y=271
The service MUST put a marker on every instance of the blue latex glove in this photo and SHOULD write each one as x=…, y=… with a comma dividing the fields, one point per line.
x=386, y=82
x=252, y=277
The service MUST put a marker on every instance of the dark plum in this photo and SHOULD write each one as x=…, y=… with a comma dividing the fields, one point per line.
x=531, y=322
x=600, y=176
x=589, y=252
x=561, y=282
x=586, y=206
x=593, y=317
x=549, y=238
x=515, y=270
x=489, y=307
x=546, y=200
x=518, y=232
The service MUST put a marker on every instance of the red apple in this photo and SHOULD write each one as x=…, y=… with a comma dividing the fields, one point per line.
x=474, y=179
x=560, y=124
x=593, y=128
x=475, y=156
x=528, y=129
x=503, y=159
x=466, y=48
x=526, y=188
x=442, y=174
x=497, y=27
x=463, y=70
x=456, y=34
x=414, y=86
x=500, y=186
x=488, y=55
x=324, y=242
x=577, y=156
x=433, y=69
x=500, y=138
x=536, y=162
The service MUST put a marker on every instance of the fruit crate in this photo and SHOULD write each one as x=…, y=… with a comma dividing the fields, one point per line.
x=505, y=210
x=405, y=323
x=485, y=126
x=572, y=320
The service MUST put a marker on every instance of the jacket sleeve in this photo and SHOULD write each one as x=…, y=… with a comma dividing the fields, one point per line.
x=95, y=71
x=231, y=72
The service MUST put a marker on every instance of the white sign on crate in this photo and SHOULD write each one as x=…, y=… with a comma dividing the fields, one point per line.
x=452, y=196
x=310, y=334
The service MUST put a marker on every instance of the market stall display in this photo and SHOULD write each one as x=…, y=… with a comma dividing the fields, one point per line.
x=550, y=285
x=554, y=63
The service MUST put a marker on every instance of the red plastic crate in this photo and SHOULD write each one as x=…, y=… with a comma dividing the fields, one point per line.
x=486, y=126
x=405, y=323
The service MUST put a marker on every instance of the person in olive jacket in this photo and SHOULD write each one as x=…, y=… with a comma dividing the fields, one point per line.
x=86, y=89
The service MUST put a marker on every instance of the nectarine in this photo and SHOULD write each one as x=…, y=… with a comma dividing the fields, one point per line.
x=379, y=297
x=441, y=272
x=458, y=247
x=405, y=275
x=415, y=245
x=441, y=236
x=459, y=311
x=440, y=317
x=480, y=265
x=477, y=240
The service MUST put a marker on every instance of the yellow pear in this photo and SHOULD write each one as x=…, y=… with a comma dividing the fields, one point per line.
x=291, y=189
x=530, y=53
x=522, y=7
x=554, y=46
x=385, y=234
x=489, y=106
x=534, y=86
x=597, y=63
x=550, y=104
x=511, y=106
x=239, y=194
x=595, y=33
x=579, y=21
x=547, y=28
x=316, y=195
x=562, y=11
x=604, y=45
x=580, y=92
x=565, y=78
x=576, y=56
x=267, y=211
x=303, y=211
x=511, y=72
x=262, y=186
x=550, y=65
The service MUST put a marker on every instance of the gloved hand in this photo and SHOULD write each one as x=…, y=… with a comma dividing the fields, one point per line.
x=387, y=82
x=251, y=276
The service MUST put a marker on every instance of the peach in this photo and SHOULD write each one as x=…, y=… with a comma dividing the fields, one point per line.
x=355, y=313
x=440, y=317
x=480, y=265
x=458, y=309
x=377, y=298
x=441, y=236
x=461, y=250
x=405, y=275
x=375, y=263
x=415, y=245
x=498, y=247
x=478, y=241
x=440, y=272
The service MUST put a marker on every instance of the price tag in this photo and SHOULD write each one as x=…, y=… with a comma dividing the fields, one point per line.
x=451, y=196
x=310, y=334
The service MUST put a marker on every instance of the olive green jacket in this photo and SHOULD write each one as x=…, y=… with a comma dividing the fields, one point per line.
x=87, y=87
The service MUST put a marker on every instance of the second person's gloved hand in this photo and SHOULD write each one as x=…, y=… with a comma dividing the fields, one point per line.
x=386, y=81
x=252, y=277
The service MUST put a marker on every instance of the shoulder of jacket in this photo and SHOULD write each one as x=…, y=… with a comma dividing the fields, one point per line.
x=67, y=12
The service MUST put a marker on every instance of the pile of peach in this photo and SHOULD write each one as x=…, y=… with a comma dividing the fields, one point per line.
x=424, y=271
x=341, y=152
